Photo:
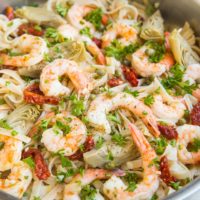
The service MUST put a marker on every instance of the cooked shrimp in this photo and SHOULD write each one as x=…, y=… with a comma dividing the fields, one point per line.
x=187, y=133
x=145, y=68
x=67, y=140
x=103, y=104
x=73, y=189
x=18, y=180
x=10, y=152
x=171, y=111
x=68, y=31
x=126, y=33
x=32, y=49
x=49, y=78
x=76, y=16
x=114, y=189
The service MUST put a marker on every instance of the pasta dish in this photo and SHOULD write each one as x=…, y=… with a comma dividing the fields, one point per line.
x=99, y=100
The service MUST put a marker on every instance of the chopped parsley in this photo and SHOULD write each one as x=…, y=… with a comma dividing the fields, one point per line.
x=60, y=176
x=29, y=160
x=36, y=198
x=194, y=146
x=99, y=142
x=119, y=139
x=86, y=31
x=95, y=17
x=2, y=145
x=110, y=156
x=174, y=81
x=159, y=145
x=131, y=179
x=44, y=124
x=4, y=124
x=61, y=10
x=77, y=107
x=175, y=185
x=14, y=133
x=154, y=197
x=134, y=93
x=88, y=193
x=149, y=100
x=65, y=162
x=118, y=51
x=150, y=8
x=63, y=127
x=114, y=118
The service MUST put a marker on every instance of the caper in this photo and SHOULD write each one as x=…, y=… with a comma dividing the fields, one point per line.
x=181, y=122
x=149, y=52
x=126, y=62
x=100, y=72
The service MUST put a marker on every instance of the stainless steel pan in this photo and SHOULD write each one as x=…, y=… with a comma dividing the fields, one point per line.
x=175, y=12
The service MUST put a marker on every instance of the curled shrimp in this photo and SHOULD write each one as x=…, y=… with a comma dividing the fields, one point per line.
x=32, y=49
x=126, y=33
x=49, y=78
x=11, y=149
x=68, y=140
x=18, y=180
x=187, y=134
x=103, y=104
x=171, y=111
x=145, y=68
x=73, y=189
x=114, y=187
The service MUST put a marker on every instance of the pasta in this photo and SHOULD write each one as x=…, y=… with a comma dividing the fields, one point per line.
x=98, y=100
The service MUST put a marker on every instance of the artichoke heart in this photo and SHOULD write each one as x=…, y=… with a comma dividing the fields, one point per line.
x=153, y=28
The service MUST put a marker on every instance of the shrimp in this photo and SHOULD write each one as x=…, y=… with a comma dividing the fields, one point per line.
x=172, y=111
x=49, y=78
x=69, y=139
x=114, y=187
x=10, y=152
x=68, y=31
x=103, y=104
x=76, y=16
x=31, y=51
x=144, y=68
x=126, y=33
x=18, y=180
x=73, y=189
x=188, y=133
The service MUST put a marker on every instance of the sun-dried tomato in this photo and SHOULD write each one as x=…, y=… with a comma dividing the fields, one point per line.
x=41, y=168
x=130, y=75
x=115, y=82
x=97, y=41
x=88, y=145
x=165, y=173
x=33, y=94
x=168, y=132
x=104, y=19
x=30, y=29
x=195, y=115
x=9, y=12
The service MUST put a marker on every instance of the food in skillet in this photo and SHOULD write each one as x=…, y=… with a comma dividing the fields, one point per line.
x=99, y=100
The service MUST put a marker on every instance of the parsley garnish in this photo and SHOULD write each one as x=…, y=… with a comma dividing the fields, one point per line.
x=175, y=185
x=149, y=100
x=60, y=177
x=99, y=142
x=86, y=31
x=65, y=162
x=62, y=11
x=119, y=139
x=95, y=18
x=110, y=156
x=77, y=106
x=114, y=118
x=159, y=145
x=29, y=161
x=36, y=198
x=118, y=51
x=4, y=124
x=44, y=124
x=194, y=146
x=131, y=179
x=63, y=127
x=154, y=197
x=88, y=193
x=133, y=93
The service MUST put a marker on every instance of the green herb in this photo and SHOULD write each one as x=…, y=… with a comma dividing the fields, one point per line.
x=134, y=93
x=110, y=156
x=14, y=133
x=99, y=142
x=149, y=100
x=44, y=124
x=77, y=107
x=95, y=18
x=114, y=118
x=88, y=193
x=65, y=162
x=48, y=58
x=37, y=28
x=33, y=4
x=61, y=176
x=81, y=147
x=29, y=161
x=118, y=51
x=36, y=198
x=2, y=101
x=81, y=171
x=159, y=145
x=10, y=24
x=7, y=83
x=65, y=128
x=145, y=113
x=155, y=162
x=2, y=145
x=4, y=124
x=150, y=9
x=158, y=51
x=62, y=11
x=131, y=179
x=86, y=31
x=12, y=53
x=175, y=185
x=194, y=146
x=119, y=139
x=54, y=35
x=27, y=79
x=173, y=142
x=154, y=197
